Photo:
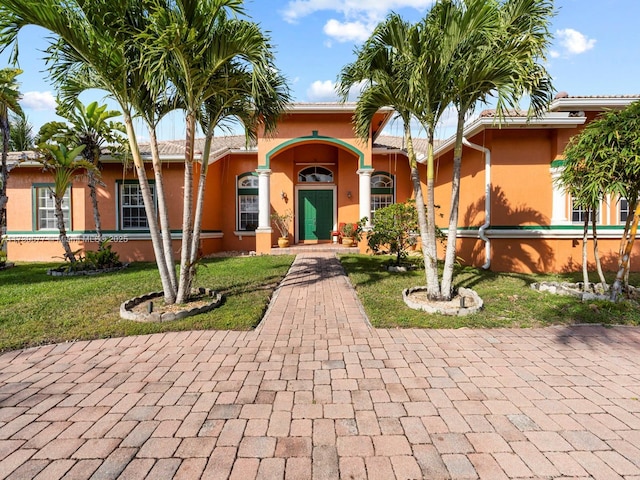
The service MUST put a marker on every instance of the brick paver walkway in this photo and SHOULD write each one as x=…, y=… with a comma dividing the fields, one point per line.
x=316, y=393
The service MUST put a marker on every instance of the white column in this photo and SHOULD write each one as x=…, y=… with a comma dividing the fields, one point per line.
x=559, y=200
x=264, y=200
x=365, y=194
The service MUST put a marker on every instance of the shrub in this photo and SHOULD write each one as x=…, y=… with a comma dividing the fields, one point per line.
x=394, y=230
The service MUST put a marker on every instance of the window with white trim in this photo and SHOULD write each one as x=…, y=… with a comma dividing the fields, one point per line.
x=248, y=204
x=132, y=213
x=315, y=174
x=578, y=214
x=381, y=191
x=623, y=210
x=46, y=208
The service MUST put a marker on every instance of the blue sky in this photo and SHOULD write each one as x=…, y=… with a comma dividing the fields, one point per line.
x=596, y=50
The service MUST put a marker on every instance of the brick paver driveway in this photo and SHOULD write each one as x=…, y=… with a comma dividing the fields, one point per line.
x=316, y=393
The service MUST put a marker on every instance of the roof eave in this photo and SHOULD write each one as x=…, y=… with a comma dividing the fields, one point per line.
x=550, y=120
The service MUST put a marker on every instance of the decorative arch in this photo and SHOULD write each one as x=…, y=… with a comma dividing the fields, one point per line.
x=315, y=138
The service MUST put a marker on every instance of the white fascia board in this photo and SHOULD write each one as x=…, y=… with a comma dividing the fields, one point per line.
x=549, y=120
x=592, y=104
x=321, y=108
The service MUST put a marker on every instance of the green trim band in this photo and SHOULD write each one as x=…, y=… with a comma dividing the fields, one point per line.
x=315, y=137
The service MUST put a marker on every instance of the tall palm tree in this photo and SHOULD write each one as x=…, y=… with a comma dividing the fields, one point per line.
x=95, y=46
x=191, y=42
x=495, y=49
x=9, y=97
x=89, y=126
x=400, y=68
x=64, y=163
x=127, y=47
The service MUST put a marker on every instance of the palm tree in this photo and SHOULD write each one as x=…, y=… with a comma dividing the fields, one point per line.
x=89, y=126
x=95, y=46
x=130, y=47
x=21, y=134
x=9, y=97
x=191, y=43
x=495, y=49
x=63, y=161
x=402, y=67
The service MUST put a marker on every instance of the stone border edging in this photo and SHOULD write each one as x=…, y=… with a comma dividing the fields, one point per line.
x=478, y=303
x=127, y=306
x=568, y=289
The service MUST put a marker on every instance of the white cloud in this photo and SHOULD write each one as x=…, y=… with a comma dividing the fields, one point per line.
x=348, y=31
x=372, y=9
x=38, y=101
x=573, y=42
x=322, y=91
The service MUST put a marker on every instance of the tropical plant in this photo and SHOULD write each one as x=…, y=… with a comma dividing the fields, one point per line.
x=21, y=138
x=139, y=51
x=398, y=67
x=282, y=222
x=64, y=164
x=495, y=50
x=450, y=58
x=604, y=159
x=88, y=126
x=394, y=230
x=9, y=97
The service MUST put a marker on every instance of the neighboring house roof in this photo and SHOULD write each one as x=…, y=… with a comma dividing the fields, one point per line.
x=220, y=146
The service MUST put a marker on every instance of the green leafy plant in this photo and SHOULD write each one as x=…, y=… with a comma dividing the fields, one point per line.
x=105, y=257
x=394, y=230
x=353, y=230
x=3, y=252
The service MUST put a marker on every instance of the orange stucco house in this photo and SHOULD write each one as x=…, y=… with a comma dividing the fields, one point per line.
x=512, y=217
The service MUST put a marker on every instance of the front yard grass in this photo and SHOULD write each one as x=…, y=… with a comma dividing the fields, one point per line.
x=508, y=299
x=37, y=309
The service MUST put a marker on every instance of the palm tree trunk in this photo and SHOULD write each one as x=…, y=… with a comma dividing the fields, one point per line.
x=197, y=222
x=417, y=192
x=452, y=234
x=431, y=257
x=585, y=241
x=163, y=210
x=147, y=197
x=625, y=259
x=4, y=126
x=596, y=252
x=94, y=203
x=184, y=285
x=64, y=240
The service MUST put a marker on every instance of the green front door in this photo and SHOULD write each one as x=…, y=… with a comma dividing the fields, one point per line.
x=315, y=214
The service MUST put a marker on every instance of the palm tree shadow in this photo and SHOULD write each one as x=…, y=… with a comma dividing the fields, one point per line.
x=534, y=255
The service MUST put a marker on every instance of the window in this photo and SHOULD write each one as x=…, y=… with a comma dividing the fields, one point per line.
x=578, y=214
x=46, y=208
x=248, y=202
x=381, y=191
x=133, y=215
x=315, y=174
x=623, y=205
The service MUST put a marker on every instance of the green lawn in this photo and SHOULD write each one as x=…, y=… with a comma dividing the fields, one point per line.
x=508, y=299
x=36, y=308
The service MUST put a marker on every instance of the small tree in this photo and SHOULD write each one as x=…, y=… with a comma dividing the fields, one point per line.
x=89, y=126
x=605, y=159
x=394, y=229
x=64, y=163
